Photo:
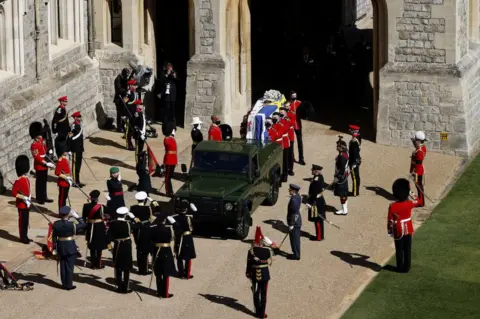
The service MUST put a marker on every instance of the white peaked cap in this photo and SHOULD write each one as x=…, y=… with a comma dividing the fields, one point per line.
x=122, y=210
x=141, y=196
x=196, y=120
x=419, y=135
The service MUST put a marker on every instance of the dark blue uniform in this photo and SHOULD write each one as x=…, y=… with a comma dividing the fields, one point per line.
x=318, y=210
x=141, y=235
x=163, y=263
x=63, y=240
x=295, y=219
x=258, y=259
x=96, y=233
x=115, y=191
x=184, y=245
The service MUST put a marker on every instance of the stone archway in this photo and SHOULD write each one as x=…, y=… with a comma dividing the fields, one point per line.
x=238, y=90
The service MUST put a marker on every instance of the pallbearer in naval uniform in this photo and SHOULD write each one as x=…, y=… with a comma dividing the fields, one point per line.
x=259, y=258
x=399, y=224
x=316, y=203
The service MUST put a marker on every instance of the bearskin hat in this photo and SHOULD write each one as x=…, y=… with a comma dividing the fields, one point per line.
x=22, y=165
x=168, y=128
x=227, y=132
x=401, y=189
x=36, y=129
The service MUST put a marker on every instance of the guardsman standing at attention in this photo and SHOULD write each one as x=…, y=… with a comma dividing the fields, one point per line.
x=139, y=126
x=417, y=170
x=76, y=147
x=129, y=100
x=259, y=258
x=23, y=198
x=354, y=158
x=60, y=124
x=40, y=164
x=170, y=159
x=290, y=123
x=96, y=233
x=141, y=235
x=64, y=180
x=214, y=132
x=196, y=134
x=316, y=203
x=63, y=237
x=294, y=220
x=114, y=197
x=295, y=108
x=162, y=236
x=341, y=176
x=184, y=245
x=282, y=136
x=119, y=232
x=144, y=180
x=399, y=223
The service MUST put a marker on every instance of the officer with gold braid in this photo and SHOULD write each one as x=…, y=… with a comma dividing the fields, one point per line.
x=316, y=203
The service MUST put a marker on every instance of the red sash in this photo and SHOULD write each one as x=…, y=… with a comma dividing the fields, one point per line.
x=94, y=210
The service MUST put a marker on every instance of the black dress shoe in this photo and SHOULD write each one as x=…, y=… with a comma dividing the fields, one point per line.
x=291, y=173
x=40, y=202
x=302, y=162
x=128, y=291
x=71, y=288
x=26, y=241
x=81, y=185
x=293, y=257
x=145, y=273
x=187, y=278
x=48, y=200
x=119, y=290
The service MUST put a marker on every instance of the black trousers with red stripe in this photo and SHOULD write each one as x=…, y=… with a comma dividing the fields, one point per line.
x=319, y=230
x=419, y=186
x=291, y=157
x=96, y=258
x=286, y=156
x=163, y=286
x=62, y=196
x=169, y=170
x=23, y=221
x=184, y=268
x=260, y=297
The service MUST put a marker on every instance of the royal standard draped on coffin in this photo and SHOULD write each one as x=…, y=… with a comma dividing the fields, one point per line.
x=272, y=100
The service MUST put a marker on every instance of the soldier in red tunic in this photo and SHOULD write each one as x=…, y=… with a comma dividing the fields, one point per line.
x=214, y=132
x=40, y=163
x=170, y=160
x=416, y=167
x=64, y=180
x=21, y=191
x=281, y=126
x=289, y=120
x=399, y=223
x=295, y=108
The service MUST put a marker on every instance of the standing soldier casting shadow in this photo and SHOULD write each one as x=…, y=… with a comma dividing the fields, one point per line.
x=76, y=147
x=295, y=107
x=40, y=163
x=60, y=125
x=417, y=170
x=141, y=235
x=119, y=232
x=120, y=84
x=23, y=198
x=399, y=223
x=162, y=236
x=114, y=196
x=139, y=127
x=96, y=233
x=259, y=258
x=184, y=245
x=64, y=180
x=294, y=221
x=63, y=238
x=341, y=176
x=316, y=203
x=168, y=95
x=170, y=159
x=130, y=107
x=354, y=159
x=144, y=180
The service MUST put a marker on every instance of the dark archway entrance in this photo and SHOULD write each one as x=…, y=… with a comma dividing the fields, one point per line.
x=172, y=38
x=337, y=76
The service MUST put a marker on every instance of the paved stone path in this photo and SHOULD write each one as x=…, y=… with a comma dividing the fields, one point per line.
x=315, y=287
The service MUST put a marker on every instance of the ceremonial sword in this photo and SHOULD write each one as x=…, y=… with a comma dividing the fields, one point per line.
x=420, y=190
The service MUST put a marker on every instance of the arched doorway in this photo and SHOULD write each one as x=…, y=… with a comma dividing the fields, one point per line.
x=330, y=62
x=174, y=39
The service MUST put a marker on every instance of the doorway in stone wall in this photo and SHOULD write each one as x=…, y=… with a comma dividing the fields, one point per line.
x=328, y=58
x=173, y=37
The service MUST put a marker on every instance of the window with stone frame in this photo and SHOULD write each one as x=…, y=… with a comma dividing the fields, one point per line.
x=11, y=38
x=65, y=25
x=116, y=23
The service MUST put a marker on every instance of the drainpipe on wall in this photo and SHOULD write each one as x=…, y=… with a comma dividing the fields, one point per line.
x=91, y=29
x=37, y=39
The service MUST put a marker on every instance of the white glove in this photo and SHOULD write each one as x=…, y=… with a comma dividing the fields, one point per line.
x=193, y=207
x=309, y=206
x=74, y=214
x=70, y=181
x=142, y=137
x=173, y=132
x=119, y=177
x=131, y=215
x=267, y=241
x=50, y=165
x=290, y=228
x=150, y=199
x=55, y=135
x=107, y=197
x=171, y=219
x=69, y=153
x=27, y=201
x=50, y=152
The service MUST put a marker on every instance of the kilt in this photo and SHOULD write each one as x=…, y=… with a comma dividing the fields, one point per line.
x=341, y=188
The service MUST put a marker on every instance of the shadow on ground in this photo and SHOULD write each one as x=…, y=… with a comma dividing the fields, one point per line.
x=356, y=260
x=228, y=302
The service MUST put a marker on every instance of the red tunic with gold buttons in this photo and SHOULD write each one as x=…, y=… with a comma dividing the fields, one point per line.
x=214, y=133
x=21, y=186
x=400, y=218
x=418, y=156
x=62, y=168
x=291, y=131
x=293, y=109
x=170, y=145
x=286, y=124
x=39, y=150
